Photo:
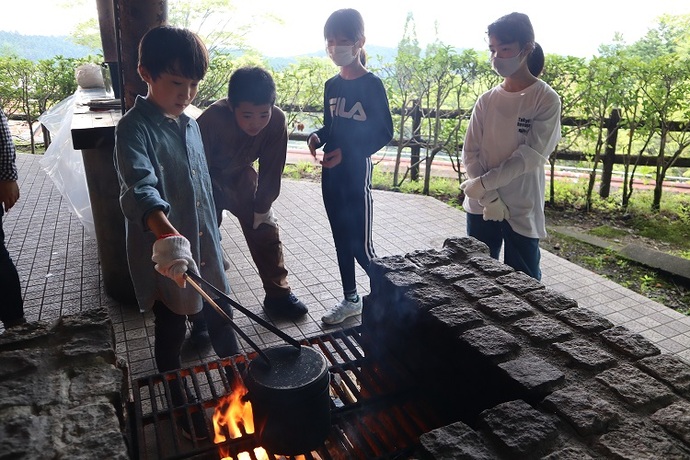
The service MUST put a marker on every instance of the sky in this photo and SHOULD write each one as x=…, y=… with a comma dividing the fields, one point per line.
x=577, y=30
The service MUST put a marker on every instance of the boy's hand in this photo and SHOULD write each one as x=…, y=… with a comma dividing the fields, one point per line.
x=265, y=218
x=173, y=257
x=332, y=159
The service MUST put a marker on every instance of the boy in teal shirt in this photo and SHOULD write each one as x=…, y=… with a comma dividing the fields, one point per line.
x=167, y=201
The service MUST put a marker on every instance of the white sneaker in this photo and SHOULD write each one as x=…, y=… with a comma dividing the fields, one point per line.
x=342, y=311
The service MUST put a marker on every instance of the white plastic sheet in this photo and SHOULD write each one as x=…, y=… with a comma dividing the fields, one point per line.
x=64, y=165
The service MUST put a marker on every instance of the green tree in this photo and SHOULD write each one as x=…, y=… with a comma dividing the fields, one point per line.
x=565, y=75
x=665, y=100
x=20, y=72
x=299, y=88
x=215, y=84
x=88, y=34
x=634, y=79
x=403, y=91
x=448, y=95
x=10, y=89
x=53, y=81
x=601, y=94
x=217, y=23
x=670, y=36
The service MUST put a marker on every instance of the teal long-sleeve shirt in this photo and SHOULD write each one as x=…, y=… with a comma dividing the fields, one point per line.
x=160, y=164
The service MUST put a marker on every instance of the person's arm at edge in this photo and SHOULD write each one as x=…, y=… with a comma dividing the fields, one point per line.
x=272, y=158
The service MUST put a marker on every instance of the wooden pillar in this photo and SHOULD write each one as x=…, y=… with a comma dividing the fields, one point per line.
x=106, y=24
x=133, y=19
x=125, y=22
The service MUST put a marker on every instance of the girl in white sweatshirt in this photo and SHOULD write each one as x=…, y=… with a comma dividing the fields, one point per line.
x=513, y=130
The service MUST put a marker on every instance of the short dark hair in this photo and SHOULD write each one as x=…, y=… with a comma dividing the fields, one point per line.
x=251, y=84
x=173, y=50
x=517, y=27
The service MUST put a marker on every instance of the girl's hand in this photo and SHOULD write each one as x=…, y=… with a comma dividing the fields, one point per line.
x=312, y=141
x=332, y=159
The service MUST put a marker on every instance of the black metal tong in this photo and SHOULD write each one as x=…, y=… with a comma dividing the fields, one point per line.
x=193, y=279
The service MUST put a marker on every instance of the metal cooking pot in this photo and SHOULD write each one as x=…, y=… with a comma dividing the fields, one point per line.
x=290, y=400
x=287, y=386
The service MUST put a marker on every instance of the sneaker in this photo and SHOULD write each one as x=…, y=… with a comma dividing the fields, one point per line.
x=226, y=264
x=287, y=307
x=342, y=311
x=199, y=334
x=14, y=322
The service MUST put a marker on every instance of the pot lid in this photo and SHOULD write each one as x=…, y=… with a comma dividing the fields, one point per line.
x=290, y=368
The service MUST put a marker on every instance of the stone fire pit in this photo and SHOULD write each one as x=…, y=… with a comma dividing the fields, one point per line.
x=529, y=372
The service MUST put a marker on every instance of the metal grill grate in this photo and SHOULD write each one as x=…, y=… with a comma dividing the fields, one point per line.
x=378, y=409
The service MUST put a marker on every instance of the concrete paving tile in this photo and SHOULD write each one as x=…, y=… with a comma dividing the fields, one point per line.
x=60, y=272
x=670, y=345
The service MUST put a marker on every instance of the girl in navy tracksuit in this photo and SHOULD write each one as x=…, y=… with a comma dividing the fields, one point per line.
x=357, y=123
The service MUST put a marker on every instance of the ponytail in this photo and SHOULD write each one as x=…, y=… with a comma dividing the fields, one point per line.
x=535, y=61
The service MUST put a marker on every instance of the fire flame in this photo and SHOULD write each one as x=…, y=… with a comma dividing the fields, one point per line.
x=233, y=417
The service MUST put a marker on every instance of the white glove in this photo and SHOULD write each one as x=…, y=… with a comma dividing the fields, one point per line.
x=496, y=211
x=173, y=257
x=473, y=188
x=265, y=218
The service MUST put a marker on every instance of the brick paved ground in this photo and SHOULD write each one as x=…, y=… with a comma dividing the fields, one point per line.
x=58, y=265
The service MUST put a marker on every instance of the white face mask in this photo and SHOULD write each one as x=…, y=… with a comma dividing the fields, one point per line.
x=342, y=55
x=506, y=67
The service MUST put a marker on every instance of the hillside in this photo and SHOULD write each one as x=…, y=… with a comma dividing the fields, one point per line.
x=36, y=47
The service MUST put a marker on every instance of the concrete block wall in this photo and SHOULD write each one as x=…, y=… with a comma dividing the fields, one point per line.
x=520, y=370
x=62, y=390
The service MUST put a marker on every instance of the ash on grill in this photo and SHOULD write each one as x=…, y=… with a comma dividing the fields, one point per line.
x=378, y=409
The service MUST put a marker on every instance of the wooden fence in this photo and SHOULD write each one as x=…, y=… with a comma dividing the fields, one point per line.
x=609, y=158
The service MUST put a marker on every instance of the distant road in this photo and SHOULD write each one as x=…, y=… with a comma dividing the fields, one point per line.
x=444, y=168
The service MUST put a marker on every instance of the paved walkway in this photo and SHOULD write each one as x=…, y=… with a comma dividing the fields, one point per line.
x=58, y=265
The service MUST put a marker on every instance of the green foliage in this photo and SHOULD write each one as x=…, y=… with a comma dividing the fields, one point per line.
x=214, y=86
x=671, y=36
x=442, y=188
x=88, y=34
x=30, y=88
x=303, y=170
x=596, y=261
x=669, y=224
x=300, y=86
x=648, y=81
x=213, y=20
